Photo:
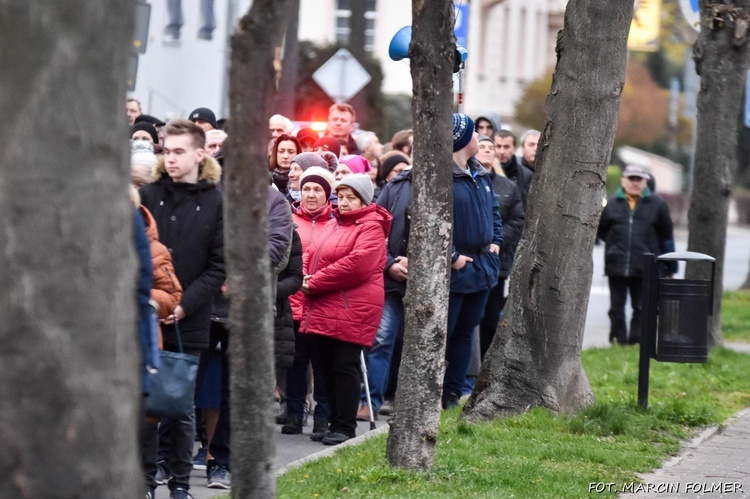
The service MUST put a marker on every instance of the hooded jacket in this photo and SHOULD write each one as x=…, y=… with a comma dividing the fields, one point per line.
x=493, y=118
x=476, y=225
x=309, y=229
x=190, y=222
x=628, y=235
x=346, y=295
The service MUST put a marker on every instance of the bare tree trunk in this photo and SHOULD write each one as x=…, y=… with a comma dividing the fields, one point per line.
x=414, y=427
x=535, y=358
x=69, y=368
x=721, y=59
x=284, y=101
x=251, y=286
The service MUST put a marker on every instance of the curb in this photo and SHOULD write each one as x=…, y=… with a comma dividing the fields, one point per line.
x=697, y=441
x=330, y=451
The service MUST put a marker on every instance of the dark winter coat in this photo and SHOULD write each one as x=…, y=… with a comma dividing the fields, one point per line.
x=628, y=235
x=519, y=174
x=396, y=198
x=309, y=229
x=280, y=227
x=288, y=283
x=280, y=179
x=511, y=211
x=189, y=218
x=476, y=225
x=146, y=334
x=346, y=296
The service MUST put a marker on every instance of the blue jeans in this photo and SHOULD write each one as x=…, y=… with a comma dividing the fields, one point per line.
x=381, y=353
x=465, y=311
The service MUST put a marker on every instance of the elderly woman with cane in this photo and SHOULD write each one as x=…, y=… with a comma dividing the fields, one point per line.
x=344, y=291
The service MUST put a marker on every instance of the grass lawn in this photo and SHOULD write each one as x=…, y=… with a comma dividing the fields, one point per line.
x=539, y=454
x=735, y=316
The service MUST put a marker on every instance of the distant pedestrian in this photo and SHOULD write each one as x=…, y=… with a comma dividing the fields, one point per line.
x=634, y=222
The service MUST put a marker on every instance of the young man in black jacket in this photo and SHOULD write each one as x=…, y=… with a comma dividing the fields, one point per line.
x=187, y=207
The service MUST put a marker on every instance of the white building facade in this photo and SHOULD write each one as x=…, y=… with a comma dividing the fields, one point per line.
x=510, y=43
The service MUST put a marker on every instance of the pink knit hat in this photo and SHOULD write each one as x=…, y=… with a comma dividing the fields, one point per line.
x=357, y=164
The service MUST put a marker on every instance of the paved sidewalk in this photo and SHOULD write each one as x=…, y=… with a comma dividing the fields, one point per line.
x=715, y=464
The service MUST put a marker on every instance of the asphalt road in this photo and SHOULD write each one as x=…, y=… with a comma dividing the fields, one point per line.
x=290, y=448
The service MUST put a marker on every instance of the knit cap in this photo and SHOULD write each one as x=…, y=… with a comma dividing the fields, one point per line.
x=463, y=129
x=389, y=160
x=307, y=159
x=361, y=184
x=357, y=164
x=328, y=144
x=146, y=127
x=331, y=159
x=318, y=175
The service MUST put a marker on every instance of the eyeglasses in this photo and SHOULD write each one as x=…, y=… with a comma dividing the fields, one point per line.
x=635, y=179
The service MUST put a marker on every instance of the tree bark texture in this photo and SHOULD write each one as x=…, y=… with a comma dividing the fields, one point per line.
x=414, y=427
x=284, y=101
x=70, y=393
x=535, y=358
x=721, y=59
x=251, y=283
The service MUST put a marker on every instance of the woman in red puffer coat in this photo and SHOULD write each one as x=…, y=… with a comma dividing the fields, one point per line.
x=343, y=285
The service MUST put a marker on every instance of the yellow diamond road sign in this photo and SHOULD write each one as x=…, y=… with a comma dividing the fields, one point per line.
x=341, y=77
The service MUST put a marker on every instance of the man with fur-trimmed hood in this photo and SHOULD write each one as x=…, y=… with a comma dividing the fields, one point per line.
x=187, y=206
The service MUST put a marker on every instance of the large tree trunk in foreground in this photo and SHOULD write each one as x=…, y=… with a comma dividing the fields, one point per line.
x=251, y=285
x=535, y=358
x=721, y=59
x=70, y=392
x=414, y=427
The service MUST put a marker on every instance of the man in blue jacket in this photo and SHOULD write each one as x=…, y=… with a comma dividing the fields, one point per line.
x=475, y=261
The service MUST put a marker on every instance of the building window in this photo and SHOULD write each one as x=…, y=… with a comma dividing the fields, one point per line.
x=343, y=15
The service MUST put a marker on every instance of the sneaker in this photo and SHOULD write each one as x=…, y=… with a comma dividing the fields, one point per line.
x=162, y=475
x=199, y=461
x=219, y=478
x=150, y=494
x=180, y=493
x=281, y=417
x=292, y=427
x=320, y=430
x=364, y=413
x=334, y=438
x=387, y=408
x=450, y=400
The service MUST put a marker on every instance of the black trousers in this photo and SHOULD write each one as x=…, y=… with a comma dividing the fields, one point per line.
x=488, y=326
x=219, y=445
x=341, y=372
x=619, y=287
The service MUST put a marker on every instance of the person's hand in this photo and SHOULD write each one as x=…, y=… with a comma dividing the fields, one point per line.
x=177, y=315
x=494, y=248
x=224, y=290
x=461, y=262
x=305, y=284
x=398, y=271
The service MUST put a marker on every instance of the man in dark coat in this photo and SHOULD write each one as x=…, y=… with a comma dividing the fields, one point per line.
x=633, y=223
x=187, y=208
x=505, y=150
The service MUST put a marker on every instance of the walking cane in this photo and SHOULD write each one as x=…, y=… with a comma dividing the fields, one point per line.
x=367, y=388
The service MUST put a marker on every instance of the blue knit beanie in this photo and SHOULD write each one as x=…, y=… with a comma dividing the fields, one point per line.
x=463, y=130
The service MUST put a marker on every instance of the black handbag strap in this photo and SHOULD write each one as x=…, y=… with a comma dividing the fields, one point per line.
x=179, y=339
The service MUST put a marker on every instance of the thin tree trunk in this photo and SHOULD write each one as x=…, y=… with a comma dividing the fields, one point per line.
x=251, y=286
x=535, y=358
x=721, y=59
x=70, y=392
x=414, y=427
x=286, y=95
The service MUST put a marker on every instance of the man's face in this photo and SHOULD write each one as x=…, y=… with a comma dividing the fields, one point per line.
x=473, y=146
x=205, y=125
x=504, y=148
x=132, y=110
x=528, y=148
x=340, y=124
x=486, y=153
x=633, y=185
x=213, y=145
x=181, y=158
x=276, y=127
x=484, y=127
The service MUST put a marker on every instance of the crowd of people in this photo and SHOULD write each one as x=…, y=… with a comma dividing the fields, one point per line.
x=339, y=209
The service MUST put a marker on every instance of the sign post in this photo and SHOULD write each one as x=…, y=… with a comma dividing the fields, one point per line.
x=342, y=76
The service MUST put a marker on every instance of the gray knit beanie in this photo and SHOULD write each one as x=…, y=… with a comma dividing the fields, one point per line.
x=361, y=184
x=308, y=159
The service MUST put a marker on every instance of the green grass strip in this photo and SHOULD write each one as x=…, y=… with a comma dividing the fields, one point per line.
x=735, y=316
x=539, y=454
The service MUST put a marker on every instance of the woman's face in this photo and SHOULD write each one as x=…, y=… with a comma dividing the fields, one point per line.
x=313, y=196
x=348, y=200
x=284, y=154
x=295, y=172
x=142, y=135
x=342, y=171
x=395, y=171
